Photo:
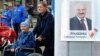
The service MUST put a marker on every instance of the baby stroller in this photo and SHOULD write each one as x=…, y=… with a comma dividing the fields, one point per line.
x=7, y=35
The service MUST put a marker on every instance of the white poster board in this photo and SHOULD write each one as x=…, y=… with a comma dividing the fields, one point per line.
x=70, y=30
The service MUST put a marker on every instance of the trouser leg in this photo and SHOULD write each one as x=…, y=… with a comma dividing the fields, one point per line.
x=48, y=51
x=16, y=28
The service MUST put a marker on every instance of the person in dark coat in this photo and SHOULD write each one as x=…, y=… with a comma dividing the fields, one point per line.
x=30, y=10
x=44, y=30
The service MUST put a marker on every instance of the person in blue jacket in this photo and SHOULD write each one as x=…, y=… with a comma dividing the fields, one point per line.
x=25, y=40
x=6, y=15
x=44, y=30
x=19, y=15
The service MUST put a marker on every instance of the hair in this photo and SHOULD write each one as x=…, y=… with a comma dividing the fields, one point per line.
x=43, y=3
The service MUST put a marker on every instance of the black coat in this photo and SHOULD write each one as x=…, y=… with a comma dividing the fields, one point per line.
x=76, y=25
x=31, y=11
x=45, y=28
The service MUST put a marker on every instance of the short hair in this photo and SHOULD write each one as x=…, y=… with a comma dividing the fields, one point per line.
x=43, y=3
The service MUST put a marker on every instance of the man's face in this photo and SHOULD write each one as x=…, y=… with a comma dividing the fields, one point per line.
x=41, y=8
x=81, y=11
x=23, y=28
x=4, y=7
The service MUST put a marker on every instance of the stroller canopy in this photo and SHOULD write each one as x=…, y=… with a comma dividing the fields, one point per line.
x=7, y=33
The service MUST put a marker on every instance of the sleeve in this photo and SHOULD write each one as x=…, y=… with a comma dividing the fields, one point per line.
x=15, y=44
x=24, y=13
x=9, y=15
x=49, y=25
x=30, y=42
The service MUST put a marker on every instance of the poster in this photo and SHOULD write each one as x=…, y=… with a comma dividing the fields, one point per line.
x=78, y=21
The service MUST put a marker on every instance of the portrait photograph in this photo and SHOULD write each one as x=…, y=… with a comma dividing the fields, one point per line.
x=80, y=15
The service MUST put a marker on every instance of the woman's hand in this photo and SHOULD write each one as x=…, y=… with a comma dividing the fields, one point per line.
x=1, y=16
x=39, y=38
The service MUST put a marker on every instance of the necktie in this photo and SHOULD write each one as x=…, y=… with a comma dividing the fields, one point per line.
x=83, y=25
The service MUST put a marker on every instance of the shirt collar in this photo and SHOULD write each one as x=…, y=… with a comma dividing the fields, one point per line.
x=42, y=16
x=80, y=18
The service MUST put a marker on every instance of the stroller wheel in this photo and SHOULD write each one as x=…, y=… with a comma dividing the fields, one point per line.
x=35, y=54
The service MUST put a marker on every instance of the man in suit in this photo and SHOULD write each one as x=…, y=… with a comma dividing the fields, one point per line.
x=80, y=21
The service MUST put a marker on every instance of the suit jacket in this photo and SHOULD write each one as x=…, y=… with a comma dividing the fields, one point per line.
x=76, y=25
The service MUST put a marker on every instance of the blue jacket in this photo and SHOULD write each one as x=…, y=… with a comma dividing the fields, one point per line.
x=19, y=14
x=8, y=15
x=26, y=40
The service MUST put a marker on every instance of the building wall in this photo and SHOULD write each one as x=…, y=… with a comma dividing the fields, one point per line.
x=64, y=48
x=61, y=48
